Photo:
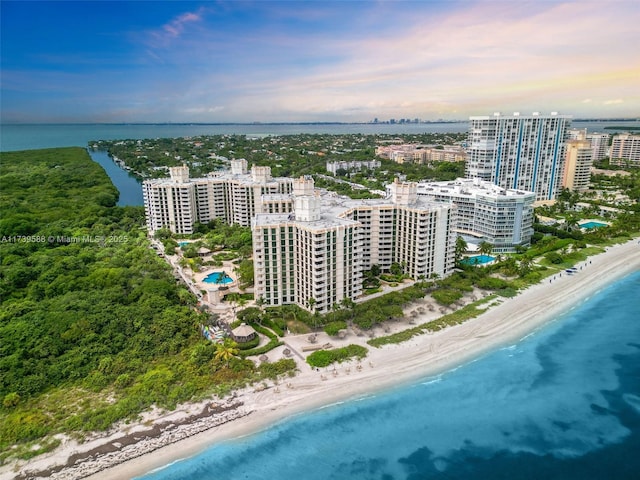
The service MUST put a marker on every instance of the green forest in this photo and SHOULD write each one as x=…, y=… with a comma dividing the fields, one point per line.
x=94, y=327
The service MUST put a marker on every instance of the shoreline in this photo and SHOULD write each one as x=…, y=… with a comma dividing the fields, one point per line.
x=391, y=366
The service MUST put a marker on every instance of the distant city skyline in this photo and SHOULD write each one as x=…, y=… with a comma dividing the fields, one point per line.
x=336, y=61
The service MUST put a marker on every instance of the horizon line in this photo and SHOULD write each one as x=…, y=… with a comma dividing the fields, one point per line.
x=384, y=122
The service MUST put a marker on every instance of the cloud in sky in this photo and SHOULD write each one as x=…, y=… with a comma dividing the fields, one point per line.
x=174, y=28
x=343, y=61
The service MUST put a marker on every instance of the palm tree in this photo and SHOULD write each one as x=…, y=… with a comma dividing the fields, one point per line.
x=222, y=277
x=312, y=304
x=350, y=305
x=226, y=350
x=260, y=302
x=525, y=266
x=234, y=301
x=334, y=308
x=485, y=248
x=461, y=248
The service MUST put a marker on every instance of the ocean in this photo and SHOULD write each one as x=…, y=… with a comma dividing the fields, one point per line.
x=562, y=403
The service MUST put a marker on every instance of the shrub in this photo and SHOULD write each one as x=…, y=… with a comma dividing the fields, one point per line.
x=492, y=283
x=11, y=400
x=275, y=369
x=364, y=323
x=123, y=380
x=273, y=343
x=554, y=257
x=269, y=323
x=334, y=328
x=250, y=344
x=324, y=358
x=259, y=351
x=507, y=292
x=446, y=296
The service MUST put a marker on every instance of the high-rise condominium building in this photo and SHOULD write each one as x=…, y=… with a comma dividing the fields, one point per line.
x=235, y=196
x=577, y=134
x=625, y=148
x=577, y=168
x=314, y=256
x=522, y=152
x=599, y=145
x=599, y=142
x=486, y=212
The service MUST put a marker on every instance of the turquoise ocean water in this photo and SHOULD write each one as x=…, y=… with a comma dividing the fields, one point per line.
x=563, y=403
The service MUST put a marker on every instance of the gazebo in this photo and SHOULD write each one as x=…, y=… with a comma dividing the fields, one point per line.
x=244, y=333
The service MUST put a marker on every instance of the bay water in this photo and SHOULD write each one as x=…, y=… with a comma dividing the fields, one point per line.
x=28, y=136
x=563, y=403
x=15, y=137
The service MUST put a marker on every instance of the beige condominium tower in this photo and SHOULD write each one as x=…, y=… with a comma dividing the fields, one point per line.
x=315, y=256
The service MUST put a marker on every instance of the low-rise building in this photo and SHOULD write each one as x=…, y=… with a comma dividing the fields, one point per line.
x=418, y=153
x=352, y=166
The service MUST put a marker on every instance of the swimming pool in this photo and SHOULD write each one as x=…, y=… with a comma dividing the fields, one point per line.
x=590, y=225
x=183, y=244
x=219, y=278
x=477, y=260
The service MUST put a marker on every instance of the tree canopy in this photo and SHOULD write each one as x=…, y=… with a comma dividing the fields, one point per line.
x=94, y=326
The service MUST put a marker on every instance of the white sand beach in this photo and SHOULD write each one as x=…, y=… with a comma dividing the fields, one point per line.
x=392, y=365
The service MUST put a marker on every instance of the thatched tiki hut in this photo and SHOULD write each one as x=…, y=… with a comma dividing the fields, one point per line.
x=243, y=333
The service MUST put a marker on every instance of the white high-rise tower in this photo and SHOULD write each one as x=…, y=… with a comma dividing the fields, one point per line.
x=523, y=152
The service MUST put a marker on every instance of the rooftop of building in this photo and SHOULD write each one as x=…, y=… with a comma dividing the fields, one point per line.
x=466, y=186
x=335, y=207
x=276, y=197
x=326, y=221
x=519, y=115
x=221, y=176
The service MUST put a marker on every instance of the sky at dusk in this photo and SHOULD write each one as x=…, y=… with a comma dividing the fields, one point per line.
x=307, y=61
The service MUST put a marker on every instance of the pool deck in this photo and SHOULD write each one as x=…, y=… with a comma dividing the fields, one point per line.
x=195, y=282
x=198, y=277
